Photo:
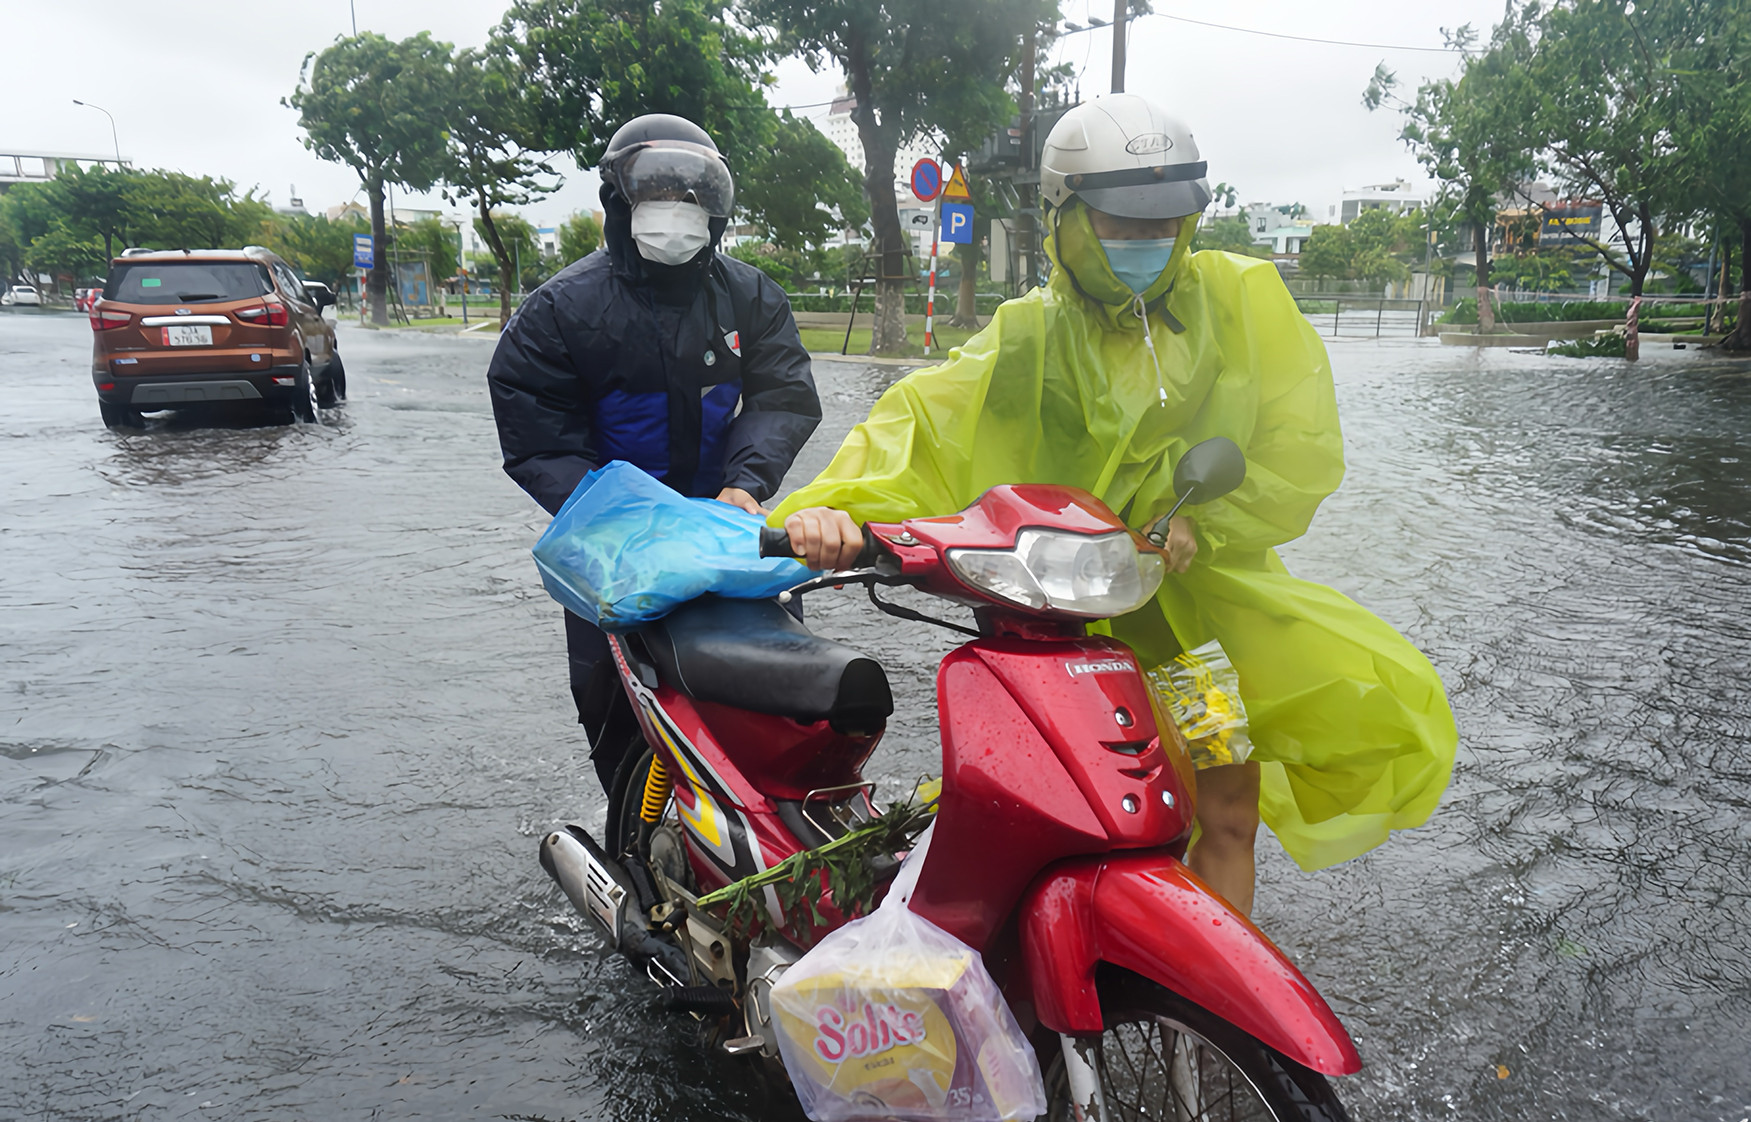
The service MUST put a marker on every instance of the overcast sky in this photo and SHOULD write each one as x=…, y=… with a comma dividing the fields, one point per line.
x=197, y=88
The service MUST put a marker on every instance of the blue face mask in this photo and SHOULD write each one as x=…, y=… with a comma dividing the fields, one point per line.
x=1138, y=263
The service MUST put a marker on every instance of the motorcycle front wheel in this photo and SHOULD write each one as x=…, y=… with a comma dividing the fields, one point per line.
x=1164, y=1059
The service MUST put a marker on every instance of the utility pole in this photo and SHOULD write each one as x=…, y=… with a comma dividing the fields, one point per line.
x=1030, y=198
x=1120, y=11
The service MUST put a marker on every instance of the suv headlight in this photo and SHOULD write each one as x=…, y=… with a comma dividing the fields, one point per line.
x=1097, y=577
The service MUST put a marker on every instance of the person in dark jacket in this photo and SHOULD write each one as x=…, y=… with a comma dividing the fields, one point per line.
x=657, y=350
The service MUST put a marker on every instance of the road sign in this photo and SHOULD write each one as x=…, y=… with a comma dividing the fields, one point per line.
x=363, y=256
x=926, y=179
x=956, y=191
x=957, y=223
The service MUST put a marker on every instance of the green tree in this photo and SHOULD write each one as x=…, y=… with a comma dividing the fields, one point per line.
x=1598, y=89
x=1711, y=134
x=1375, y=247
x=579, y=236
x=491, y=164
x=170, y=210
x=62, y=253
x=378, y=107
x=1470, y=136
x=520, y=263
x=432, y=240
x=1231, y=235
x=589, y=66
x=911, y=65
x=97, y=199
x=321, y=249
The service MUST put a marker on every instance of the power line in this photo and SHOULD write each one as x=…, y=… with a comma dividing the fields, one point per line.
x=1309, y=39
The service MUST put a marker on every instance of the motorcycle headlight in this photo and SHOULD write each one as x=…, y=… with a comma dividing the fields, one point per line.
x=1092, y=576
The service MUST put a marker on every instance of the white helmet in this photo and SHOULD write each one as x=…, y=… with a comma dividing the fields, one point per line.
x=1124, y=155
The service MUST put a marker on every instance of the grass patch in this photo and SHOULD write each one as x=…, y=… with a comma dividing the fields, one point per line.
x=1599, y=346
x=829, y=340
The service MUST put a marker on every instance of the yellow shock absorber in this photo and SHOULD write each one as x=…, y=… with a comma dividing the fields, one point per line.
x=657, y=786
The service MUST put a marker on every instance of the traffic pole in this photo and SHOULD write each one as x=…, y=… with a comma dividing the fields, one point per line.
x=930, y=301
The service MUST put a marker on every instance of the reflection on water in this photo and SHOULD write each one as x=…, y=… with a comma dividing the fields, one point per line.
x=284, y=717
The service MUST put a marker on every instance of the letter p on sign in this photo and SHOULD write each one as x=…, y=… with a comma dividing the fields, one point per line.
x=957, y=223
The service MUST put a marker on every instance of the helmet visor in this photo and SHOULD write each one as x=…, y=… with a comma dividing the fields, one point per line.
x=1162, y=191
x=677, y=172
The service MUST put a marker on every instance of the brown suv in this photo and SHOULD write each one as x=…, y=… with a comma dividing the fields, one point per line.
x=180, y=328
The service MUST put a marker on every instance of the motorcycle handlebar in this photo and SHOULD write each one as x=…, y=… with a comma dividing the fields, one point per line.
x=775, y=542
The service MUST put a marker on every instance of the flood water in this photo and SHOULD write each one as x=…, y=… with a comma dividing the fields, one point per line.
x=283, y=715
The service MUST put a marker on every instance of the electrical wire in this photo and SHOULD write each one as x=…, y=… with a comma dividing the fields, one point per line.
x=1309, y=39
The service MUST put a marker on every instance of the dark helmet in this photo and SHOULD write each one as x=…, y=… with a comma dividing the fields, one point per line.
x=662, y=157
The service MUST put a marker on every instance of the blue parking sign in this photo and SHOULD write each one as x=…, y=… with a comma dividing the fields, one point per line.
x=363, y=255
x=957, y=223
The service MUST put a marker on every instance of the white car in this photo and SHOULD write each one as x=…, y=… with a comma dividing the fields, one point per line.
x=22, y=294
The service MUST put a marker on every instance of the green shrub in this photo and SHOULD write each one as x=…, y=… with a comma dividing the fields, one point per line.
x=1599, y=346
x=1464, y=311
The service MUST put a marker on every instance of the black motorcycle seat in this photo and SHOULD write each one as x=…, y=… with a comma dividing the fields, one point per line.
x=753, y=654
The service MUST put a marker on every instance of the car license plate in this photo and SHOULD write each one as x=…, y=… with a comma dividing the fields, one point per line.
x=188, y=335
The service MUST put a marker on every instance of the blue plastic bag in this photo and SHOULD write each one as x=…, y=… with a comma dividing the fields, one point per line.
x=626, y=549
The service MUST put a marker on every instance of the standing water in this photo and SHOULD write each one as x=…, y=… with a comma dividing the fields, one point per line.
x=284, y=715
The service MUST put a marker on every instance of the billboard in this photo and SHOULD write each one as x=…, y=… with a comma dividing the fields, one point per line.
x=1571, y=223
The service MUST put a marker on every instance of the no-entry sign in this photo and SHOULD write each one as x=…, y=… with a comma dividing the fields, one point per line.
x=926, y=179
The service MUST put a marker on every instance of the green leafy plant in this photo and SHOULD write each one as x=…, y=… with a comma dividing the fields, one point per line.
x=852, y=867
x=1599, y=346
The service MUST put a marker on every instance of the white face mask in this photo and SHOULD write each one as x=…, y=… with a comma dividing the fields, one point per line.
x=670, y=233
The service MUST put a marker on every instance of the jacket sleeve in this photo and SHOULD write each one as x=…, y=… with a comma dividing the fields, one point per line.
x=1295, y=455
x=539, y=401
x=780, y=408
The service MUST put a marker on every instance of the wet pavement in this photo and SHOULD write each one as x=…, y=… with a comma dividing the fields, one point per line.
x=282, y=716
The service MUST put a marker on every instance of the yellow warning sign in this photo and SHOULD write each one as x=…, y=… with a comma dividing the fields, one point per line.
x=956, y=189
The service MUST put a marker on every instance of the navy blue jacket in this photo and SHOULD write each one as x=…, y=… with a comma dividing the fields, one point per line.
x=695, y=374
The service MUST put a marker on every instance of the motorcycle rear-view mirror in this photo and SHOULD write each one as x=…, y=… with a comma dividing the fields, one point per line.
x=1206, y=472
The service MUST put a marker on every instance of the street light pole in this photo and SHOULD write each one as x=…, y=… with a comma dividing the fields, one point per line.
x=112, y=128
x=462, y=267
x=1121, y=8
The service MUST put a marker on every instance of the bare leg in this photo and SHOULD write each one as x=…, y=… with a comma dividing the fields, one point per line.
x=1228, y=813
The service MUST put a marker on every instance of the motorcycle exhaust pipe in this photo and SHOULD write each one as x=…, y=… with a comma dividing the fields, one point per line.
x=590, y=879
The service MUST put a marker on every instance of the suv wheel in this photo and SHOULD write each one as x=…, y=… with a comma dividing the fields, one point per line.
x=332, y=390
x=304, y=403
x=120, y=416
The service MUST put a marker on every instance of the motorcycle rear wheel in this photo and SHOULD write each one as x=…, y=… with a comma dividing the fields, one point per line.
x=1166, y=1060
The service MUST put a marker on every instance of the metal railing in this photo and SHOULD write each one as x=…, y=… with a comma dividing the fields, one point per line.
x=1365, y=317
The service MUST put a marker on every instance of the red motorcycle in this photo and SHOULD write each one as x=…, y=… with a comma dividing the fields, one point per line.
x=1065, y=811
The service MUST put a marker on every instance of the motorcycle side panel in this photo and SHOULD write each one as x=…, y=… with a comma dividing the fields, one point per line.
x=1149, y=914
x=1008, y=806
x=1088, y=699
x=782, y=758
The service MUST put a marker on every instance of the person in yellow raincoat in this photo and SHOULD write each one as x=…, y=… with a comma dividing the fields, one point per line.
x=1137, y=349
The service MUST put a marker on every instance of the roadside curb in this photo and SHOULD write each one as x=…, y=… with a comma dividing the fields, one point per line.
x=871, y=360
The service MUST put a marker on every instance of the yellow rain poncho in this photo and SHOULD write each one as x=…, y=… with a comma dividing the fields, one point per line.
x=1349, y=722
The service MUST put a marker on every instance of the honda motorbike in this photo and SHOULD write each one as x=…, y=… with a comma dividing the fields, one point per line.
x=1065, y=810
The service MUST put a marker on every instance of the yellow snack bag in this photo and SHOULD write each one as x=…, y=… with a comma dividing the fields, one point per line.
x=1200, y=689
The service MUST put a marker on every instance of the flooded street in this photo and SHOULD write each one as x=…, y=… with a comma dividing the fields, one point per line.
x=283, y=713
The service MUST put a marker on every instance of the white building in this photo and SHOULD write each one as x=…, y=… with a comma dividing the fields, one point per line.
x=1398, y=197
x=842, y=131
x=1284, y=228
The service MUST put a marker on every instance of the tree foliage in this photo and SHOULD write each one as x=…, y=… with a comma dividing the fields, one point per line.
x=1231, y=235
x=74, y=224
x=590, y=67
x=491, y=159
x=1377, y=246
x=378, y=107
x=579, y=236
x=912, y=65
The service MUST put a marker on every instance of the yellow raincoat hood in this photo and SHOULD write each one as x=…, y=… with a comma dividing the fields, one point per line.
x=1349, y=722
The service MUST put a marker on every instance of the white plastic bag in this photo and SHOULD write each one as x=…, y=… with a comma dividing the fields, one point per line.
x=891, y=1017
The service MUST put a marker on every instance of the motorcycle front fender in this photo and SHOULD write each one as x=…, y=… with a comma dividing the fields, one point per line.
x=1149, y=914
